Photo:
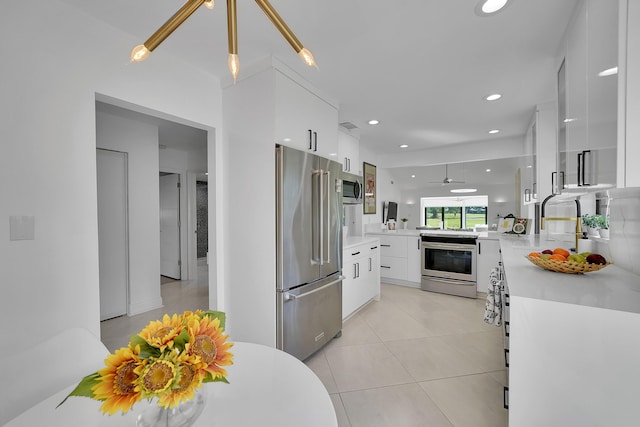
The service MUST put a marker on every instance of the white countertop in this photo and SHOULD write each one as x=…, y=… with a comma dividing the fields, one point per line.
x=352, y=241
x=611, y=288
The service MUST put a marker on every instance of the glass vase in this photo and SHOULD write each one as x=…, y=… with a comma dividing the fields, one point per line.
x=183, y=415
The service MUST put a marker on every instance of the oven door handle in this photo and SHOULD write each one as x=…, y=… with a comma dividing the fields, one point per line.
x=450, y=281
x=450, y=246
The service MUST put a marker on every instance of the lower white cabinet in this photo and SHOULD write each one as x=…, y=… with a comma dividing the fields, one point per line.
x=488, y=257
x=400, y=258
x=361, y=269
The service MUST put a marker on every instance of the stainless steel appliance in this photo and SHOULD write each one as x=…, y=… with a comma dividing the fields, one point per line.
x=309, y=251
x=351, y=189
x=449, y=264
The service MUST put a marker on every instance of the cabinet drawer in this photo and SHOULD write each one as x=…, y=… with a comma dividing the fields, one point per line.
x=393, y=246
x=393, y=268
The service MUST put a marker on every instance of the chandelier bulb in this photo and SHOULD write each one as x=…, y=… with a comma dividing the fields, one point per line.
x=234, y=66
x=210, y=4
x=139, y=53
x=307, y=57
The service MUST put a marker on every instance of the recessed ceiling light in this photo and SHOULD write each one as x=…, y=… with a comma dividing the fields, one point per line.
x=464, y=190
x=529, y=166
x=373, y=122
x=492, y=131
x=608, y=72
x=287, y=140
x=404, y=146
x=493, y=97
x=333, y=154
x=413, y=176
x=488, y=170
x=488, y=7
x=567, y=120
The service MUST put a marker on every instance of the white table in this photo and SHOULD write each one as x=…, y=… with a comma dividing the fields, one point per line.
x=267, y=388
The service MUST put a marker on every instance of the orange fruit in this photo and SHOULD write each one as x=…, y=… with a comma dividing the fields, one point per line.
x=558, y=257
x=565, y=253
x=534, y=254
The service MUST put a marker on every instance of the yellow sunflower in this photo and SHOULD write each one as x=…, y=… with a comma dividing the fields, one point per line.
x=189, y=375
x=208, y=342
x=161, y=334
x=117, y=382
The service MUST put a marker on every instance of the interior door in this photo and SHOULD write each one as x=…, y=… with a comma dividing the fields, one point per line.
x=113, y=243
x=170, y=225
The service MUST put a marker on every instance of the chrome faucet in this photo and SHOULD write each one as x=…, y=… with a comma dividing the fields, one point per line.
x=577, y=219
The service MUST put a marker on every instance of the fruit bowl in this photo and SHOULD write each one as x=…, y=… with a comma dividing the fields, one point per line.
x=569, y=267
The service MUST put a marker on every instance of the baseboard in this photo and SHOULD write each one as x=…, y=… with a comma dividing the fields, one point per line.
x=145, y=306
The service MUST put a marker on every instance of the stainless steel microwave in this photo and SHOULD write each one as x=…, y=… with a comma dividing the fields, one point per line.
x=351, y=189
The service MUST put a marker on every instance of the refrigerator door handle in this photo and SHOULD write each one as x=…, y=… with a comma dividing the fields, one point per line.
x=316, y=221
x=327, y=218
x=289, y=297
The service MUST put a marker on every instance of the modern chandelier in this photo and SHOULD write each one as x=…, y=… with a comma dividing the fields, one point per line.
x=141, y=52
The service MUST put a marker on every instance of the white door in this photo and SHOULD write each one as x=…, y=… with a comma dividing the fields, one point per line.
x=170, y=225
x=113, y=242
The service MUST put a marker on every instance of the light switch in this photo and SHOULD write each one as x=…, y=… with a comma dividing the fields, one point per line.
x=21, y=227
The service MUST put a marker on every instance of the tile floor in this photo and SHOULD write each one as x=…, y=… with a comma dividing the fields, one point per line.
x=414, y=358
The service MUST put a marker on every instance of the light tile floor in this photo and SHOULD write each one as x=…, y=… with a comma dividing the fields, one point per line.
x=414, y=358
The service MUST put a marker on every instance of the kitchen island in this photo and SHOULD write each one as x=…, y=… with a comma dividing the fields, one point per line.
x=573, y=339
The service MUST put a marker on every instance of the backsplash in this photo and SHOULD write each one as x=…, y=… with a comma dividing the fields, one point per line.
x=624, y=225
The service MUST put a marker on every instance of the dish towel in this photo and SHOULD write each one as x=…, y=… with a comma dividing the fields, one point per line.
x=493, y=306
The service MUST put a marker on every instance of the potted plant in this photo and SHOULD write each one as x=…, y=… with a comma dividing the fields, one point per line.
x=590, y=225
x=602, y=223
x=404, y=222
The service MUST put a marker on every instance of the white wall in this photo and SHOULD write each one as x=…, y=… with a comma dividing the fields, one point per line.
x=55, y=61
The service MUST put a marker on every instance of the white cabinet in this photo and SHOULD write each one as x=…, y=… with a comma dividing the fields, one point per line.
x=414, y=259
x=361, y=269
x=303, y=120
x=400, y=258
x=349, y=153
x=587, y=99
x=488, y=257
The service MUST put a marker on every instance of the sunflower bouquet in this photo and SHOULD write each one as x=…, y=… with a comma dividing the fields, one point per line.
x=167, y=360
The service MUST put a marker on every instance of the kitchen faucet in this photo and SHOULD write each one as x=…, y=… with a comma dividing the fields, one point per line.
x=577, y=219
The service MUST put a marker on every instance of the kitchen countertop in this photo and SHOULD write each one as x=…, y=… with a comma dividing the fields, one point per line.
x=352, y=241
x=611, y=288
x=487, y=235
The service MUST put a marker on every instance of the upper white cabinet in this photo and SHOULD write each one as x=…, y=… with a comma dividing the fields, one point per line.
x=587, y=98
x=349, y=153
x=303, y=120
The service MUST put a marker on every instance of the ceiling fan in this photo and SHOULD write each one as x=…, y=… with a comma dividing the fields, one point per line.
x=446, y=179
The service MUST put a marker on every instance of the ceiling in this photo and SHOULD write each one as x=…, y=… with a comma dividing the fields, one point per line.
x=421, y=67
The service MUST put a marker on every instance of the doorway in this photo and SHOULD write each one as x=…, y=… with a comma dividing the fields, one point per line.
x=170, y=248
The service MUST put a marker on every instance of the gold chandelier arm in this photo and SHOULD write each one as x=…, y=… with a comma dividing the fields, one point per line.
x=232, y=26
x=174, y=22
x=280, y=25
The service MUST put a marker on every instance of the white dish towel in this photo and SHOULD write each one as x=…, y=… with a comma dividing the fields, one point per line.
x=495, y=297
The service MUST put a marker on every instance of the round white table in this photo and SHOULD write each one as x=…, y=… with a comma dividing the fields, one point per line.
x=267, y=388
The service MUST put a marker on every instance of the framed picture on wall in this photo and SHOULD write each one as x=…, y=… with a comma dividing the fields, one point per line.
x=369, y=203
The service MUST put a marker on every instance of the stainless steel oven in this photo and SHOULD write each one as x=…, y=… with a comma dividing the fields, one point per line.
x=449, y=264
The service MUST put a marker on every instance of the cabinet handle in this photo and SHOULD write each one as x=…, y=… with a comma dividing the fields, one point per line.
x=479, y=248
x=355, y=253
x=384, y=266
x=310, y=139
x=535, y=191
x=346, y=164
x=582, y=168
x=370, y=265
x=527, y=195
x=419, y=241
x=375, y=247
x=555, y=186
x=355, y=270
x=386, y=246
x=315, y=141
x=358, y=268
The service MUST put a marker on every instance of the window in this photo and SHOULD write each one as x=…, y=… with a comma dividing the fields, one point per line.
x=454, y=212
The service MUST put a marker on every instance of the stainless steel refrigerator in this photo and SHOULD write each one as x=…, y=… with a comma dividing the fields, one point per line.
x=309, y=251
